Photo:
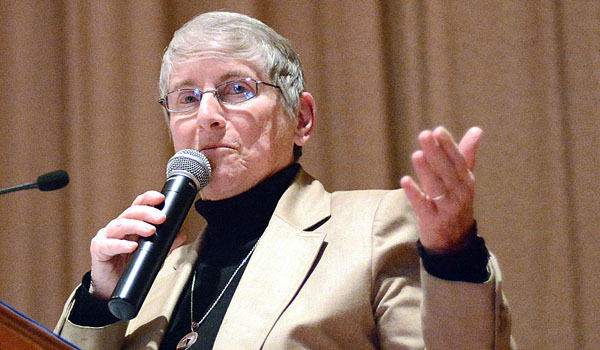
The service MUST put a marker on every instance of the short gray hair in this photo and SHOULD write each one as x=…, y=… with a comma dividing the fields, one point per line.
x=233, y=35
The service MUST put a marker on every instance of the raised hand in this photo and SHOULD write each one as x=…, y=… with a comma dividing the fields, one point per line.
x=443, y=202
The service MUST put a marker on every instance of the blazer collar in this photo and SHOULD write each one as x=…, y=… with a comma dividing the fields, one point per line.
x=281, y=262
x=305, y=204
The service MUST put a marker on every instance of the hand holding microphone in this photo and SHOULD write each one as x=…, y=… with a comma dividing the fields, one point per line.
x=129, y=251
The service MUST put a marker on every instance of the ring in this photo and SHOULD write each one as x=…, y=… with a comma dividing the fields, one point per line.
x=438, y=198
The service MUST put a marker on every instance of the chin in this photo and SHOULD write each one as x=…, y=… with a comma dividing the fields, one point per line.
x=223, y=186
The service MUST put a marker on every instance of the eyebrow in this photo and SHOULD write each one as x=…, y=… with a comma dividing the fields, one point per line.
x=233, y=74
x=182, y=83
x=223, y=78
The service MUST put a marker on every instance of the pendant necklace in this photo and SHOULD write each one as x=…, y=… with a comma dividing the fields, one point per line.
x=189, y=339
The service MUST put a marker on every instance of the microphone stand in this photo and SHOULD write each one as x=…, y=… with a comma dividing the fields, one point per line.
x=19, y=188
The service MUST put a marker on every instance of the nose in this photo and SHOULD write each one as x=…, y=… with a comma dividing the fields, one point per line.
x=210, y=112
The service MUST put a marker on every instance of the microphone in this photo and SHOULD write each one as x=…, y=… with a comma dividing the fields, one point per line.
x=47, y=182
x=188, y=171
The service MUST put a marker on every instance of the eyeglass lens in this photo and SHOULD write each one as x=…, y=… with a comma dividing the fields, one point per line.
x=230, y=92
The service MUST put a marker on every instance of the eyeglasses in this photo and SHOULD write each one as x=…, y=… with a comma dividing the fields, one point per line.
x=231, y=92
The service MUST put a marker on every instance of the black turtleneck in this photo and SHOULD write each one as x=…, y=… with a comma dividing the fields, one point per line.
x=234, y=227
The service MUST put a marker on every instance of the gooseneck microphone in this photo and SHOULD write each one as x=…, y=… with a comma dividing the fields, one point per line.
x=188, y=171
x=47, y=182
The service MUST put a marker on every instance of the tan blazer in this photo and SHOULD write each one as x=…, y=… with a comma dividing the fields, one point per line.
x=331, y=271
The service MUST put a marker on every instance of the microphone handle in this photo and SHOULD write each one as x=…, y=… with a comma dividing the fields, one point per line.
x=19, y=188
x=146, y=261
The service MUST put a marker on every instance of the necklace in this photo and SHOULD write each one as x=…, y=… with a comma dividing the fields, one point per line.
x=189, y=339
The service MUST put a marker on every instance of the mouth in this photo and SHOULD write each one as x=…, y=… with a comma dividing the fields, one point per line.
x=215, y=147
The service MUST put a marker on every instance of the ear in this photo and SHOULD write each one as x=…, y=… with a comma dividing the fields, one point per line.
x=306, y=119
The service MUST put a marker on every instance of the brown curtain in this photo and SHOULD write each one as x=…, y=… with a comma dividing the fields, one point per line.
x=78, y=92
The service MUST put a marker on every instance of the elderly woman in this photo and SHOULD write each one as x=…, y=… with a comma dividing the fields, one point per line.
x=282, y=263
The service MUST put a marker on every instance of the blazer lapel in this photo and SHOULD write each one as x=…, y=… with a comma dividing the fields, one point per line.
x=281, y=262
x=148, y=327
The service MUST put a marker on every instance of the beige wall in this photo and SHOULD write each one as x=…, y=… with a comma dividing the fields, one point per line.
x=527, y=72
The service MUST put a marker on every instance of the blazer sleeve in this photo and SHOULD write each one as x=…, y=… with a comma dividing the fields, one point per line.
x=463, y=315
x=416, y=310
x=108, y=337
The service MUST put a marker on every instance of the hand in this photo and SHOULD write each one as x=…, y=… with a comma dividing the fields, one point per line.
x=112, y=246
x=443, y=203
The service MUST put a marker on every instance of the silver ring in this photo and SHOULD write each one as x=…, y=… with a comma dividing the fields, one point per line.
x=438, y=198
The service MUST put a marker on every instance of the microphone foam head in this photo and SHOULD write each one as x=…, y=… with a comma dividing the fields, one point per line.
x=53, y=180
x=190, y=163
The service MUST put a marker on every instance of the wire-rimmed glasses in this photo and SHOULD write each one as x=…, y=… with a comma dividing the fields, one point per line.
x=231, y=92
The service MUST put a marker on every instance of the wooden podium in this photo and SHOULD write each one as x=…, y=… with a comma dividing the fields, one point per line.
x=18, y=331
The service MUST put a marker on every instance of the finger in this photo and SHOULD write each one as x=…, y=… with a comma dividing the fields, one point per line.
x=149, y=198
x=104, y=249
x=144, y=213
x=422, y=206
x=122, y=227
x=438, y=159
x=469, y=144
x=450, y=148
x=432, y=185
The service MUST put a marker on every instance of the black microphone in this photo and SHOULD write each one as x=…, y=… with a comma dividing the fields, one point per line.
x=188, y=171
x=47, y=182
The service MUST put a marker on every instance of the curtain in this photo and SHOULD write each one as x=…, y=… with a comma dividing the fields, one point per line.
x=79, y=90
